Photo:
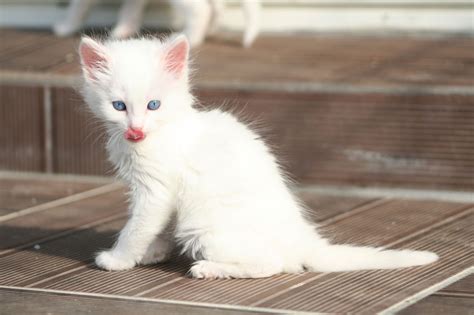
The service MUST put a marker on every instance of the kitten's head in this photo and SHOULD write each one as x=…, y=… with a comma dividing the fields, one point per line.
x=136, y=85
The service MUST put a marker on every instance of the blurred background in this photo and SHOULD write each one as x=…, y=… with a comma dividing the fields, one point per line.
x=277, y=16
x=357, y=92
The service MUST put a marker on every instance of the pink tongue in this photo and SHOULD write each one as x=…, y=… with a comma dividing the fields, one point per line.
x=134, y=135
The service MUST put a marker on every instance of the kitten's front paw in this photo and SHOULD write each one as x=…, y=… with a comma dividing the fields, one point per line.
x=110, y=261
x=158, y=256
x=158, y=252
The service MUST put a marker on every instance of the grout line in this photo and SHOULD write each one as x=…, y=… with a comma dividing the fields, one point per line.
x=48, y=129
x=372, y=192
x=62, y=201
x=428, y=291
x=73, y=81
x=170, y=302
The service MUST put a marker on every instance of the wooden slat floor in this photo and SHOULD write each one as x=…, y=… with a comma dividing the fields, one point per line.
x=355, y=61
x=415, y=92
x=46, y=252
x=359, y=110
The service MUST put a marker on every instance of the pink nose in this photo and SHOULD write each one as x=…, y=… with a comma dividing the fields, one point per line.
x=134, y=135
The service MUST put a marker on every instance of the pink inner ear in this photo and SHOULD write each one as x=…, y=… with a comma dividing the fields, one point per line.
x=92, y=59
x=176, y=57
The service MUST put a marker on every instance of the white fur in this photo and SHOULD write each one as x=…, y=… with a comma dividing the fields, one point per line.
x=234, y=212
x=130, y=18
x=75, y=17
x=200, y=18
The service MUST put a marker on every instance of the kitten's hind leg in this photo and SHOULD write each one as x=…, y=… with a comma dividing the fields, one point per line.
x=159, y=251
x=197, y=17
x=130, y=19
x=75, y=16
x=217, y=8
x=205, y=269
x=252, y=13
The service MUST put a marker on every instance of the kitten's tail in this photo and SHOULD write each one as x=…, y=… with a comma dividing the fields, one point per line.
x=333, y=258
x=252, y=10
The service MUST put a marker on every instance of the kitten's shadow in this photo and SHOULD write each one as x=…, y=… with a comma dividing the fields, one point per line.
x=80, y=245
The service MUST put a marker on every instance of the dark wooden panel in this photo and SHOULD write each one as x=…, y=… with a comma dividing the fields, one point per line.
x=420, y=139
x=376, y=290
x=344, y=292
x=390, y=221
x=322, y=207
x=64, y=262
x=152, y=279
x=369, y=139
x=58, y=256
x=21, y=193
x=325, y=138
x=48, y=53
x=435, y=305
x=26, y=229
x=136, y=281
x=21, y=123
x=457, y=298
x=20, y=43
x=465, y=285
x=77, y=138
x=15, y=301
x=267, y=293
x=354, y=60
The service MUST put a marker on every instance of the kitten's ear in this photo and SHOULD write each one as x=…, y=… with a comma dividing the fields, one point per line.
x=93, y=57
x=176, y=56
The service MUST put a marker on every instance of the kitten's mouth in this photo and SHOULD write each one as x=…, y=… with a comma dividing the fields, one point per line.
x=134, y=135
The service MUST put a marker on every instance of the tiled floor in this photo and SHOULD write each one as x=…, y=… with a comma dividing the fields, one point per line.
x=47, y=249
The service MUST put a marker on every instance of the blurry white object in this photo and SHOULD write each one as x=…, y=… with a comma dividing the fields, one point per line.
x=287, y=16
x=201, y=18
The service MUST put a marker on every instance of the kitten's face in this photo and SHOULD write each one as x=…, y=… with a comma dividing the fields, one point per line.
x=138, y=85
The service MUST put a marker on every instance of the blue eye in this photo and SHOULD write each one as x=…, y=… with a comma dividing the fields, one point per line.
x=119, y=105
x=154, y=104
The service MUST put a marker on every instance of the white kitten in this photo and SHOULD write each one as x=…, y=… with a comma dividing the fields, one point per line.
x=235, y=215
x=201, y=18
